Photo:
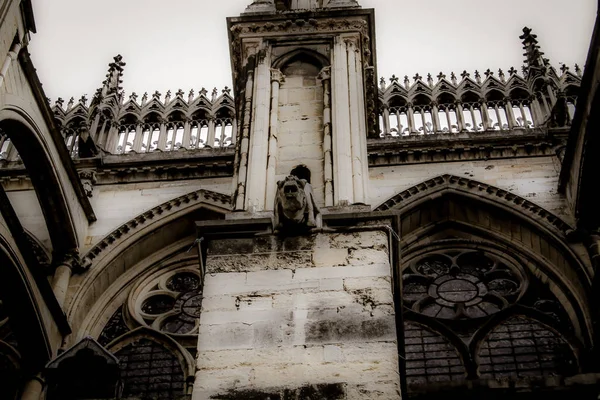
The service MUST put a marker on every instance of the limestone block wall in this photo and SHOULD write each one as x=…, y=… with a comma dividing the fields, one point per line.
x=304, y=317
x=300, y=114
x=534, y=178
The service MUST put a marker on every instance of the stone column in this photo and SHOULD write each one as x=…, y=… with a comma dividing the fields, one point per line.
x=460, y=117
x=138, y=139
x=162, y=137
x=62, y=276
x=386, y=121
x=435, y=117
x=240, y=190
x=256, y=181
x=276, y=79
x=33, y=388
x=210, y=136
x=187, y=134
x=113, y=137
x=355, y=128
x=325, y=76
x=510, y=113
x=410, y=118
x=342, y=150
x=485, y=118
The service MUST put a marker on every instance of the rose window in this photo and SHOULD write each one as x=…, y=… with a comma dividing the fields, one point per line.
x=461, y=284
x=172, y=303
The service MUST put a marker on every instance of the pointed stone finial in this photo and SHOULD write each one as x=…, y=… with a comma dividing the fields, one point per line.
x=465, y=74
x=578, y=70
x=156, y=95
x=214, y=94
x=394, y=79
x=133, y=97
x=113, y=81
x=144, y=98
x=533, y=55
x=563, y=68
x=382, y=83
x=83, y=100
x=429, y=80
x=406, y=82
x=226, y=90
x=501, y=76
x=70, y=103
x=59, y=102
x=179, y=93
x=453, y=78
x=477, y=77
x=168, y=96
x=417, y=77
x=441, y=76
x=191, y=96
x=488, y=72
x=203, y=92
x=512, y=71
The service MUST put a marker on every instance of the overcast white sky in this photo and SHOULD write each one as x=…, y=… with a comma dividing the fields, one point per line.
x=183, y=43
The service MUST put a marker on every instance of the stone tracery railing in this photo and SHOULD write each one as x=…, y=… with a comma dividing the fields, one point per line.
x=444, y=106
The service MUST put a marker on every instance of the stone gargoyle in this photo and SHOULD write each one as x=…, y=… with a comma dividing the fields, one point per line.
x=295, y=207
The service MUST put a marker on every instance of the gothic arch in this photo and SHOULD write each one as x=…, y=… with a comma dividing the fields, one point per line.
x=43, y=171
x=504, y=219
x=317, y=59
x=160, y=229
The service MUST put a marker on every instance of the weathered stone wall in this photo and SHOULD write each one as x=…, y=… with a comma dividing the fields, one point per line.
x=534, y=178
x=305, y=316
x=300, y=113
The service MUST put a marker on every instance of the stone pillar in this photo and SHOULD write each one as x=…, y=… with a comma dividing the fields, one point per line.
x=187, y=134
x=240, y=190
x=342, y=149
x=256, y=180
x=435, y=118
x=276, y=79
x=325, y=76
x=485, y=118
x=386, y=121
x=210, y=136
x=410, y=118
x=33, y=388
x=460, y=117
x=355, y=126
x=162, y=137
x=112, y=137
x=138, y=139
x=510, y=114
x=62, y=276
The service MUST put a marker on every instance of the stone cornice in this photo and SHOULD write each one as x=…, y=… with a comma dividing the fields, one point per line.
x=478, y=189
x=130, y=228
x=135, y=168
x=467, y=146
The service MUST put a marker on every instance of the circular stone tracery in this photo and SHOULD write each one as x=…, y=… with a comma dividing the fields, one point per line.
x=171, y=303
x=458, y=284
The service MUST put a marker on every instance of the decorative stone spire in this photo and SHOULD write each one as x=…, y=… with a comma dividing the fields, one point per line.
x=113, y=81
x=534, y=60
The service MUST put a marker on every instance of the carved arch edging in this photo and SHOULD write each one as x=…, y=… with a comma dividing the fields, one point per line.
x=213, y=200
x=115, y=243
x=497, y=195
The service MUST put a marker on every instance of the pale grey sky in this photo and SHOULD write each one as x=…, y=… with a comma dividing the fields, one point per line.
x=183, y=43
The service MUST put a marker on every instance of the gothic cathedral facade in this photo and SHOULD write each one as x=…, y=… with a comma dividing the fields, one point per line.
x=313, y=232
